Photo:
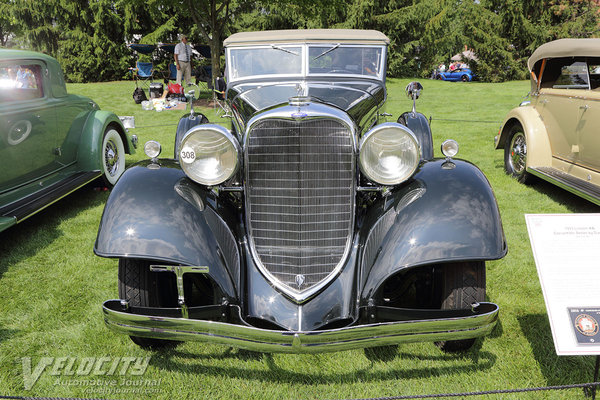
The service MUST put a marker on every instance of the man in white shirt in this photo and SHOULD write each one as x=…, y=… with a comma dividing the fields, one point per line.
x=183, y=60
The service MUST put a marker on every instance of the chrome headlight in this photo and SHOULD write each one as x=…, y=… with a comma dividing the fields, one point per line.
x=389, y=154
x=209, y=154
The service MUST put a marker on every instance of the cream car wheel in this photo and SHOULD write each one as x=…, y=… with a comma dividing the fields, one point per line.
x=113, y=156
x=515, y=155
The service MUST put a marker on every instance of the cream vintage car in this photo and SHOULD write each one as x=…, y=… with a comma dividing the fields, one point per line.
x=554, y=135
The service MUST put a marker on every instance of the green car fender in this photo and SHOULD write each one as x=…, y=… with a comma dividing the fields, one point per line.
x=89, y=154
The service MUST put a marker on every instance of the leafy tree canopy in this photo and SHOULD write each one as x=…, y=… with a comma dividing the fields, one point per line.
x=89, y=37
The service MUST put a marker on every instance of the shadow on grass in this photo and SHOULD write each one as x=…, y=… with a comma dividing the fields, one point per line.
x=570, y=200
x=33, y=235
x=556, y=369
x=573, y=202
x=474, y=360
x=5, y=334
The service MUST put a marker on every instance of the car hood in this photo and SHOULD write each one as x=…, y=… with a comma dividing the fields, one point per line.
x=358, y=99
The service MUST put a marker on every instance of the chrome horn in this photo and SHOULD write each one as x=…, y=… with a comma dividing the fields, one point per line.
x=413, y=91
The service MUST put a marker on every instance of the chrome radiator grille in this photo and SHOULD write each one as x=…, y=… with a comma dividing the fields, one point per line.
x=300, y=198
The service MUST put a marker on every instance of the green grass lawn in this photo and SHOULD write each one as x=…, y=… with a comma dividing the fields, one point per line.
x=52, y=287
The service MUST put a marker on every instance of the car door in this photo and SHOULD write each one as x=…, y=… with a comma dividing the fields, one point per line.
x=452, y=76
x=589, y=111
x=27, y=129
x=72, y=112
x=564, y=84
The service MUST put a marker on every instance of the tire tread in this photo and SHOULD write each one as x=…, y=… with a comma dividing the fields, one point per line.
x=138, y=286
x=464, y=285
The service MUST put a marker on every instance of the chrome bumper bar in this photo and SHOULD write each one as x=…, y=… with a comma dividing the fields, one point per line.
x=479, y=322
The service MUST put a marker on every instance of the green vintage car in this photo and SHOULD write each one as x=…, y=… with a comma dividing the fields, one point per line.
x=51, y=142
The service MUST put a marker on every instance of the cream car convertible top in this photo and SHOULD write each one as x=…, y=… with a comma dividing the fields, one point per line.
x=353, y=36
x=565, y=48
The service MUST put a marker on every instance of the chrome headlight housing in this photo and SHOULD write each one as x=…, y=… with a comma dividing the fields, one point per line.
x=209, y=154
x=389, y=154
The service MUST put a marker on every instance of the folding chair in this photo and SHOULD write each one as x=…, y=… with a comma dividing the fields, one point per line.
x=219, y=97
x=172, y=72
x=203, y=76
x=143, y=71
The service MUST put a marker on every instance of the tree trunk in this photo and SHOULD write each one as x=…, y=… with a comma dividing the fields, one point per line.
x=215, y=52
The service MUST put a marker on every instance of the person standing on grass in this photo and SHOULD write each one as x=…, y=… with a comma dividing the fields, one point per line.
x=183, y=60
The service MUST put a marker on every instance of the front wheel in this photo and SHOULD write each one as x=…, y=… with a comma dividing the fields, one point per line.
x=463, y=285
x=113, y=156
x=515, y=155
x=464, y=78
x=144, y=288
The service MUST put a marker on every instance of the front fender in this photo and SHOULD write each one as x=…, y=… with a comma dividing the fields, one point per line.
x=539, y=152
x=447, y=213
x=155, y=212
x=89, y=153
x=419, y=125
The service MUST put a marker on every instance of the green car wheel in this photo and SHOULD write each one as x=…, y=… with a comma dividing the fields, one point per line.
x=113, y=156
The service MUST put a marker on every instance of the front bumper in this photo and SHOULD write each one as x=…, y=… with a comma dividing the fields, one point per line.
x=442, y=325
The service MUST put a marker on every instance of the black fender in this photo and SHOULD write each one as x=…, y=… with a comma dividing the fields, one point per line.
x=419, y=125
x=155, y=212
x=446, y=213
x=187, y=122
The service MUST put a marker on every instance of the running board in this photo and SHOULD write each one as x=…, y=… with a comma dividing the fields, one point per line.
x=41, y=199
x=580, y=187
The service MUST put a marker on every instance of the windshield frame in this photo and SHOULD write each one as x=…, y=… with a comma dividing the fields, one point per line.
x=305, y=71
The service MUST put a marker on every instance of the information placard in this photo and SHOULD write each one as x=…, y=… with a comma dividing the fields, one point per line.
x=566, y=248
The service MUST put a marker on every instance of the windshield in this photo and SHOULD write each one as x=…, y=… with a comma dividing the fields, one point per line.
x=345, y=60
x=276, y=60
x=315, y=59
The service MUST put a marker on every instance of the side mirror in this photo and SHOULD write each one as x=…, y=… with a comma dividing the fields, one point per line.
x=413, y=91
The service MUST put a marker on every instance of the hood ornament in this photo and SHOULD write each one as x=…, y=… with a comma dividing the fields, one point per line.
x=299, y=101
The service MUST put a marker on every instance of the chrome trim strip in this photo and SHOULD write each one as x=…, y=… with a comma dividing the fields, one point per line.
x=99, y=174
x=563, y=185
x=479, y=324
x=575, y=163
x=311, y=111
x=38, y=178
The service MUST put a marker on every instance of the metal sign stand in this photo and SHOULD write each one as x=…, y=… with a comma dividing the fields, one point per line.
x=591, y=392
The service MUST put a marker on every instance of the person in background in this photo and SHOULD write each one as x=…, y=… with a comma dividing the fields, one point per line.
x=183, y=60
x=439, y=70
x=23, y=77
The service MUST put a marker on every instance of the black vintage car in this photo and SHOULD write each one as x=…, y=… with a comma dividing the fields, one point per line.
x=311, y=224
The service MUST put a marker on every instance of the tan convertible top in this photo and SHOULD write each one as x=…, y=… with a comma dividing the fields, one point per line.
x=565, y=48
x=355, y=36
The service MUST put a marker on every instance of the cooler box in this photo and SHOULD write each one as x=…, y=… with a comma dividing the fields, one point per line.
x=156, y=90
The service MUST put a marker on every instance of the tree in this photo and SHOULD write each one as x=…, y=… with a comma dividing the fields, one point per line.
x=290, y=14
x=87, y=37
x=204, y=21
x=211, y=18
x=9, y=27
